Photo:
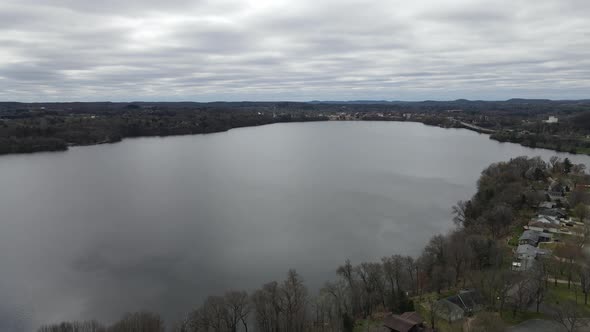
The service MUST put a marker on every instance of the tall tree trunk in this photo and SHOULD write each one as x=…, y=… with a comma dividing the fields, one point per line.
x=514, y=311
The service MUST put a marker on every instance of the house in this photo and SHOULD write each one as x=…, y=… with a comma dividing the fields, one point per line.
x=529, y=237
x=449, y=311
x=525, y=257
x=469, y=300
x=547, y=219
x=542, y=227
x=458, y=306
x=533, y=237
x=545, y=237
x=525, y=250
x=555, y=213
x=556, y=191
x=546, y=205
x=551, y=119
x=406, y=322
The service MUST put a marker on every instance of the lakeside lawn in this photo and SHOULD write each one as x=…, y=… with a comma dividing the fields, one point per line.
x=510, y=319
x=549, y=245
x=560, y=293
x=363, y=325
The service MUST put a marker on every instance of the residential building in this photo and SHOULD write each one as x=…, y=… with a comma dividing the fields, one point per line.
x=406, y=322
x=458, y=306
x=525, y=257
x=545, y=228
x=551, y=119
x=533, y=237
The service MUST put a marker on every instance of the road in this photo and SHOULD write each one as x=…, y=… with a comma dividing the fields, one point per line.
x=477, y=128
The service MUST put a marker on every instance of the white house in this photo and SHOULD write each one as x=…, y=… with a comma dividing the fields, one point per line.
x=552, y=119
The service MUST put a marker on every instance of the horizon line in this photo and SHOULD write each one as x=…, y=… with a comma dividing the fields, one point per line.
x=293, y=101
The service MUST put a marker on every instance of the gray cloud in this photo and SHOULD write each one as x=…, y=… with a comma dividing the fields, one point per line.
x=272, y=50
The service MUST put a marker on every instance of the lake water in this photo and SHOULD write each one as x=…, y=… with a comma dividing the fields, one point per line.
x=159, y=223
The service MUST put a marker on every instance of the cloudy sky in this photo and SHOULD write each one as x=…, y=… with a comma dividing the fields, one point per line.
x=204, y=50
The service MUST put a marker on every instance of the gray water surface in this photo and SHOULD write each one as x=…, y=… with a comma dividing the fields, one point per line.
x=159, y=223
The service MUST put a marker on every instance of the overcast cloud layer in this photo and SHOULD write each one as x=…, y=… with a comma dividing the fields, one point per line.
x=206, y=50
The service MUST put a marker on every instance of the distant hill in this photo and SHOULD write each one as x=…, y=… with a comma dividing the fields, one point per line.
x=515, y=106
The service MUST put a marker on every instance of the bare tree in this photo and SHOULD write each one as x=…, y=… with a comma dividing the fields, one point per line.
x=539, y=283
x=579, y=169
x=521, y=294
x=584, y=271
x=581, y=211
x=214, y=314
x=237, y=309
x=337, y=290
x=362, y=271
x=434, y=309
x=578, y=196
x=86, y=326
x=346, y=272
x=501, y=288
x=569, y=315
x=497, y=220
x=196, y=320
x=412, y=271
x=267, y=307
x=181, y=326
x=293, y=302
x=392, y=270
x=555, y=162
x=569, y=253
x=457, y=253
x=377, y=281
x=460, y=213
x=139, y=322
x=322, y=306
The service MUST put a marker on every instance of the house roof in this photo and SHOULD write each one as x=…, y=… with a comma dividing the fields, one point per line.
x=547, y=219
x=399, y=323
x=470, y=298
x=529, y=251
x=529, y=235
x=546, y=205
x=556, y=186
x=447, y=308
x=524, y=264
x=552, y=213
x=413, y=316
x=543, y=225
x=404, y=322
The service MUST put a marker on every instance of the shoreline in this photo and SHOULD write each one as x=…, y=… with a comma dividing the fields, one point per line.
x=459, y=125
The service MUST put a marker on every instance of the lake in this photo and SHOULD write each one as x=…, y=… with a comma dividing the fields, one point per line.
x=159, y=223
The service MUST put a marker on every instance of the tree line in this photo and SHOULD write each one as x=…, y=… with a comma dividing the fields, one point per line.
x=55, y=131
